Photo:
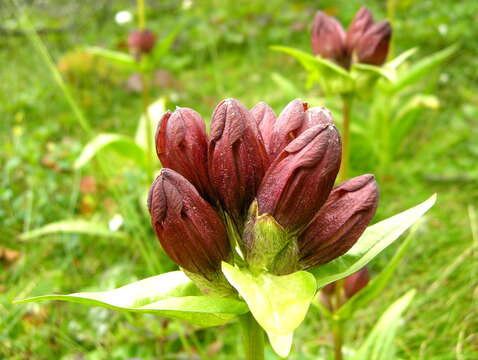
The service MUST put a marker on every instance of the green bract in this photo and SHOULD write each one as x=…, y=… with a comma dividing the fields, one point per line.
x=278, y=303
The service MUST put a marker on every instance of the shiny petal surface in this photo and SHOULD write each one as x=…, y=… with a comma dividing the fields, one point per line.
x=181, y=145
x=189, y=229
x=299, y=180
x=237, y=157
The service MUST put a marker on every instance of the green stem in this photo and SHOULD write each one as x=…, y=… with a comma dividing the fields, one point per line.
x=141, y=14
x=337, y=331
x=344, y=165
x=391, y=11
x=253, y=337
x=337, y=323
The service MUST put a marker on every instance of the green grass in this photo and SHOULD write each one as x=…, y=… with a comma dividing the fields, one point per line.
x=40, y=139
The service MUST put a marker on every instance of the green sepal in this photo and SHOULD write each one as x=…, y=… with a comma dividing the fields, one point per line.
x=216, y=285
x=267, y=246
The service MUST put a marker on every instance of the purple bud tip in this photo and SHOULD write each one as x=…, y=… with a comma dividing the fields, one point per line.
x=328, y=39
x=359, y=25
x=288, y=126
x=266, y=119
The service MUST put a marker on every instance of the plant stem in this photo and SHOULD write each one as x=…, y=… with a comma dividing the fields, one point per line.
x=338, y=335
x=391, y=10
x=253, y=337
x=337, y=323
x=141, y=14
x=344, y=165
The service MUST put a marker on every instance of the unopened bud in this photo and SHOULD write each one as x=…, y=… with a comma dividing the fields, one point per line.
x=340, y=222
x=237, y=158
x=300, y=179
x=141, y=42
x=181, y=145
x=188, y=228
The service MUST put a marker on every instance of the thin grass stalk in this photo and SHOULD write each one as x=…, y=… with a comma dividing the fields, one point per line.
x=38, y=44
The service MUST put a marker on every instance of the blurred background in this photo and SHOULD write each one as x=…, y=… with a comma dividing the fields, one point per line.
x=56, y=97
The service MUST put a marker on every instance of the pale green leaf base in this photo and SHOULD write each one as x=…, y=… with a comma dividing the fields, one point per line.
x=278, y=303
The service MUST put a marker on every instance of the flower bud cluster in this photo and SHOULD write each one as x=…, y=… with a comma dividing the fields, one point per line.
x=365, y=41
x=259, y=182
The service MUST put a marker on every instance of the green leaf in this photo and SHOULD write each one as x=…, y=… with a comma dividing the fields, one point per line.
x=171, y=294
x=155, y=111
x=121, y=144
x=422, y=68
x=165, y=44
x=375, y=239
x=400, y=59
x=117, y=57
x=379, y=344
x=278, y=303
x=378, y=283
x=72, y=227
x=332, y=78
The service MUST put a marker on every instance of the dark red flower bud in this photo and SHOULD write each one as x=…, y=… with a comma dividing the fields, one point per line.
x=372, y=48
x=356, y=282
x=181, y=145
x=359, y=25
x=141, y=41
x=237, y=157
x=188, y=228
x=287, y=127
x=328, y=39
x=266, y=119
x=340, y=222
x=299, y=180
